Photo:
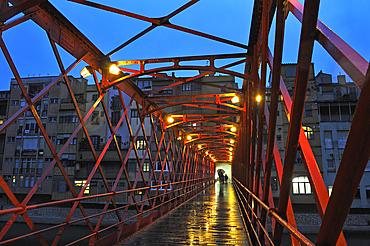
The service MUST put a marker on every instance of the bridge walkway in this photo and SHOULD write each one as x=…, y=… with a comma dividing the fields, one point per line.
x=211, y=218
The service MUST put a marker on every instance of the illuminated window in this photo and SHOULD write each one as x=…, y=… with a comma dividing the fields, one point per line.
x=140, y=144
x=308, y=132
x=14, y=181
x=146, y=167
x=330, y=189
x=301, y=185
x=82, y=183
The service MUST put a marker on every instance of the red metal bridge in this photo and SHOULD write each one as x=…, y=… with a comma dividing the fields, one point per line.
x=188, y=147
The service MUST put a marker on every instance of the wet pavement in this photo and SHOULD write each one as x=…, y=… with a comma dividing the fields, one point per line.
x=210, y=218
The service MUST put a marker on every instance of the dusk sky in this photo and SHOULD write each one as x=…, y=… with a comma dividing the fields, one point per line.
x=32, y=54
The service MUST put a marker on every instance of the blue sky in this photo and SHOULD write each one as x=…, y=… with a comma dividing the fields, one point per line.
x=32, y=54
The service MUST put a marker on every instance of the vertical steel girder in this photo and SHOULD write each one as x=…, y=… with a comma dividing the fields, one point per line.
x=278, y=50
x=303, y=69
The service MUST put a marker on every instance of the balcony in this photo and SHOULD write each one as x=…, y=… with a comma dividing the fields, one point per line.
x=27, y=170
x=69, y=170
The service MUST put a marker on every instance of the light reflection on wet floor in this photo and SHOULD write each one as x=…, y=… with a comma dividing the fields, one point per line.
x=211, y=218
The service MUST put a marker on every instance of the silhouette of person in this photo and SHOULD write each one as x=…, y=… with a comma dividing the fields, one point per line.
x=226, y=178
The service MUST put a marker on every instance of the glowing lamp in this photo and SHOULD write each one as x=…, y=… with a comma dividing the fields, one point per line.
x=170, y=120
x=235, y=99
x=113, y=69
x=199, y=146
x=188, y=137
x=86, y=71
x=258, y=98
x=231, y=141
x=233, y=129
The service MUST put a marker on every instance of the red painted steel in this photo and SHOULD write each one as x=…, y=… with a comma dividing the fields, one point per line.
x=300, y=89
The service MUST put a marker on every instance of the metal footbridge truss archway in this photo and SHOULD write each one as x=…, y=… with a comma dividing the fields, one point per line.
x=187, y=147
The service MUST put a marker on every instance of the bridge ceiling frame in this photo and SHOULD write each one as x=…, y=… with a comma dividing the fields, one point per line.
x=182, y=150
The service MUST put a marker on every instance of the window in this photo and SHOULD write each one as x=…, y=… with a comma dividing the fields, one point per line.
x=10, y=139
x=134, y=113
x=186, y=87
x=95, y=97
x=20, y=184
x=146, y=167
x=52, y=119
x=68, y=119
x=330, y=189
x=95, y=141
x=324, y=113
x=301, y=185
x=328, y=140
x=95, y=118
x=278, y=137
x=26, y=181
x=169, y=187
x=342, y=138
x=308, y=131
x=133, y=166
x=45, y=108
x=140, y=143
x=290, y=72
x=31, y=127
x=82, y=183
x=274, y=184
x=16, y=166
x=358, y=194
x=32, y=181
x=152, y=183
x=144, y=84
x=52, y=139
x=116, y=115
x=331, y=163
x=158, y=167
x=30, y=143
x=197, y=87
x=39, y=167
x=62, y=139
x=15, y=86
x=14, y=102
x=116, y=103
x=14, y=181
x=28, y=165
x=54, y=100
x=8, y=159
x=367, y=191
x=307, y=111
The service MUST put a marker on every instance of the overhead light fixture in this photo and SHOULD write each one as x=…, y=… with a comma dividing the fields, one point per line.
x=86, y=71
x=258, y=98
x=235, y=99
x=170, y=119
x=232, y=141
x=231, y=149
x=199, y=146
x=233, y=129
x=113, y=69
x=188, y=137
x=179, y=138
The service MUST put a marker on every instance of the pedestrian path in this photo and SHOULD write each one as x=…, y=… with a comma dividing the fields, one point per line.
x=210, y=218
